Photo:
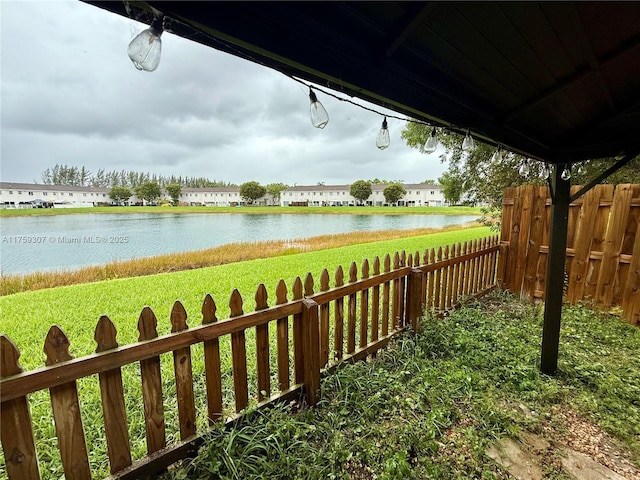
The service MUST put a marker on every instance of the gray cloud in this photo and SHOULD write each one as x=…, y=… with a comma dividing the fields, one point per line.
x=71, y=96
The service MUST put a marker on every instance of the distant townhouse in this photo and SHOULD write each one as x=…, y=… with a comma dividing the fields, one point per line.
x=28, y=195
x=219, y=197
x=418, y=195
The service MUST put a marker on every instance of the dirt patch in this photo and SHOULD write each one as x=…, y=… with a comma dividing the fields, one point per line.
x=568, y=443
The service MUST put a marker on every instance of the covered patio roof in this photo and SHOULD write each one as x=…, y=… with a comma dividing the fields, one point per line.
x=553, y=81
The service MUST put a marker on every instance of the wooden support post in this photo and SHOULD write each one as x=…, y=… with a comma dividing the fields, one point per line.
x=310, y=334
x=414, y=299
x=555, y=271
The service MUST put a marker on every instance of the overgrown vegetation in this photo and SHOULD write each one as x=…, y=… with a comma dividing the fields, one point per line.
x=429, y=406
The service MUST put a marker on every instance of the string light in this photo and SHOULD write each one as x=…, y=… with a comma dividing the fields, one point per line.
x=432, y=143
x=383, y=140
x=546, y=172
x=468, y=144
x=566, y=173
x=145, y=49
x=497, y=155
x=319, y=116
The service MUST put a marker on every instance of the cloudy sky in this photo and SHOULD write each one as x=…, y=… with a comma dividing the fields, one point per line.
x=70, y=95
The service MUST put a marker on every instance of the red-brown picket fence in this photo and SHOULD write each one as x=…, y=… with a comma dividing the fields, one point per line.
x=293, y=343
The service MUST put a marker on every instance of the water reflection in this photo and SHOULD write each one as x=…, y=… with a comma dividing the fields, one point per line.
x=31, y=244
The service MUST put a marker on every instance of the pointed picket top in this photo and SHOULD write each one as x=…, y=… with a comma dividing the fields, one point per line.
x=475, y=245
x=376, y=265
x=353, y=273
x=209, y=310
x=178, y=318
x=261, y=297
x=464, y=248
x=324, y=280
x=387, y=263
x=439, y=255
x=9, y=355
x=410, y=261
x=365, y=268
x=56, y=346
x=308, y=285
x=281, y=293
x=147, y=324
x=458, y=249
x=446, y=252
x=425, y=257
x=403, y=258
x=396, y=260
x=235, y=303
x=432, y=256
x=339, y=276
x=105, y=334
x=297, y=289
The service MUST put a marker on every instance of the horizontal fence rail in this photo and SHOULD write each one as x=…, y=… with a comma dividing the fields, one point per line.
x=195, y=377
x=603, y=246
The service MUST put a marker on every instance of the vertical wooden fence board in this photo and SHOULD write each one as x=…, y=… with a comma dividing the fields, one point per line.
x=16, y=433
x=631, y=294
x=431, y=282
x=212, y=369
x=437, y=291
x=375, y=303
x=612, y=244
x=351, y=311
x=524, y=223
x=66, y=412
x=184, y=376
x=628, y=241
x=324, y=321
x=113, y=405
x=338, y=320
x=262, y=348
x=298, y=342
x=535, y=240
x=386, y=294
x=283, y=339
x=239, y=356
x=598, y=239
x=364, y=307
x=514, y=242
x=310, y=326
x=450, y=253
x=582, y=244
x=151, y=385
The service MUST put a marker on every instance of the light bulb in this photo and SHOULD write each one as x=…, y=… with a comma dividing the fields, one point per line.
x=319, y=116
x=524, y=170
x=383, y=140
x=545, y=171
x=497, y=156
x=432, y=143
x=144, y=50
x=468, y=143
x=566, y=173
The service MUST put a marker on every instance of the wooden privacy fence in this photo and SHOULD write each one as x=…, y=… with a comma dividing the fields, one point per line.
x=290, y=345
x=603, y=246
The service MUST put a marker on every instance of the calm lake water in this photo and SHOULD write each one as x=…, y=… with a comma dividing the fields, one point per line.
x=30, y=244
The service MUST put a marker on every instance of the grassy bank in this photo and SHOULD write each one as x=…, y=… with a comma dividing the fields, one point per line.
x=429, y=406
x=250, y=210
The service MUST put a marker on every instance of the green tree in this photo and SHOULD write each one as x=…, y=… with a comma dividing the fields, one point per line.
x=451, y=182
x=251, y=191
x=174, y=190
x=149, y=191
x=120, y=194
x=394, y=192
x=360, y=190
x=275, y=189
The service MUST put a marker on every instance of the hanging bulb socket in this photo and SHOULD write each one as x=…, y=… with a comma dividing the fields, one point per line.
x=383, y=140
x=546, y=171
x=319, y=116
x=432, y=142
x=468, y=144
x=145, y=49
x=497, y=155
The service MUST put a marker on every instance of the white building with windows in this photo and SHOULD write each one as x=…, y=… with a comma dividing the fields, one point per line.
x=418, y=195
x=28, y=195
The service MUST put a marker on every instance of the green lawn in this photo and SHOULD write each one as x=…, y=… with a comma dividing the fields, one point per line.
x=252, y=210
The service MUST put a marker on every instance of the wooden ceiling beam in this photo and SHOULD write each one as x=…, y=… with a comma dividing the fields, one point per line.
x=414, y=17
